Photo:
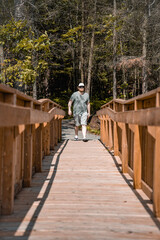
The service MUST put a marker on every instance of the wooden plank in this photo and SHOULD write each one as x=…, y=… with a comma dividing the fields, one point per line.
x=85, y=199
x=37, y=116
x=8, y=171
x=156, y=175
x=10, y=98
x=13, y=116
x=144, y=117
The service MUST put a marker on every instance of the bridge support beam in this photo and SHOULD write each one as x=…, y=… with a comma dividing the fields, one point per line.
x=156, y=175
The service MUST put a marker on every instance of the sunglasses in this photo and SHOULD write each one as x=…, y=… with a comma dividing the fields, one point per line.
x=81, y=87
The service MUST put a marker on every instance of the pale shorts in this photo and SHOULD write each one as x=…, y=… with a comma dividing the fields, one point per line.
x=81, y=119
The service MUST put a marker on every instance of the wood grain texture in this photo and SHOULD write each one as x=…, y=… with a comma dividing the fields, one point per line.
x=81, y=195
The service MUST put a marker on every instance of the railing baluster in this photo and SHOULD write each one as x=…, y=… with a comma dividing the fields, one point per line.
x=134, y=139
x=156, y=175
x=124, y=148
x=28, y=155
x=8, y=170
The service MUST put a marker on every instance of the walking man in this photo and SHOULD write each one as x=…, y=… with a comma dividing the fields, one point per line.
x=81, y=110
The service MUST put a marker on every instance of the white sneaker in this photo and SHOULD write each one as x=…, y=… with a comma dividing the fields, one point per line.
x=75, y=138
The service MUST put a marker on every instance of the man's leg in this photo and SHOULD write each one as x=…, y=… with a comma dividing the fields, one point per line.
x=77, y=124
x=84, y=130
x=76, y=131
x=84, y=126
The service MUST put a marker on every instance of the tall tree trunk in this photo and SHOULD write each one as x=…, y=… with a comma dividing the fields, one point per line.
x=18, y=15
x=114, y=51
x=123, y=73
x=45, y=83
x=18, y=9
x=144, y=50
x=90, y=64
x=35, y=55
x=82, y=46
x=35, y=89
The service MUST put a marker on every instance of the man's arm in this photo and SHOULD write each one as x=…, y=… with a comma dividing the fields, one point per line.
x=69, y=107
x=89, y=109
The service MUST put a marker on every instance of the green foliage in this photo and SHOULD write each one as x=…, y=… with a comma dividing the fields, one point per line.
x=73, y=34
x=62, y=99
x=96, y=104
x=22, y=50
x=92, y=130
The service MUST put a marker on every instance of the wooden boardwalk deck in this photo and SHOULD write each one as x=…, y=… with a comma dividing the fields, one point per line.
x=80, y=195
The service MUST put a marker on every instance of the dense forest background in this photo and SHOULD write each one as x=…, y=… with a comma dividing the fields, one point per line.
x=113, y=46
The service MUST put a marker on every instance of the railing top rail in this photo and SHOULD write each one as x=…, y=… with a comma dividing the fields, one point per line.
x=46, y=100
x=6, y=90
x=141, y=97
x=19, y=109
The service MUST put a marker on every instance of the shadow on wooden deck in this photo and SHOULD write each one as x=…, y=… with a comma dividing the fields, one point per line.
x=129, y=182
x=10, y=224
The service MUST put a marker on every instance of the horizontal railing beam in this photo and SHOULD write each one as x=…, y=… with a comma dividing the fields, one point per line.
x=131, y=128
x=29, y=129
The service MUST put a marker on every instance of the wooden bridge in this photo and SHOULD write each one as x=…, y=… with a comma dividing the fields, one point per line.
x=100, y=190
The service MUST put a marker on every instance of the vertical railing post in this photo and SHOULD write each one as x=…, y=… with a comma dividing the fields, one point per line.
x=107, y=130
x=124, y=149
x=1, y=164
x=52, y=141
x=28, y=156
x=33, y=147
x=102, y=128
x=110, y=135
x=8, y=174
x=116, y=146
x=60, y=128
x=38, y=148
x=48, y=138
x=157, y=99
x=156, y=175
x=56, y=130
x=137, y=161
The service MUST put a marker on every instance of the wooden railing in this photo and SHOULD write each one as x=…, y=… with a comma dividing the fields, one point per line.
x=131, y=129
x=29, y=129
